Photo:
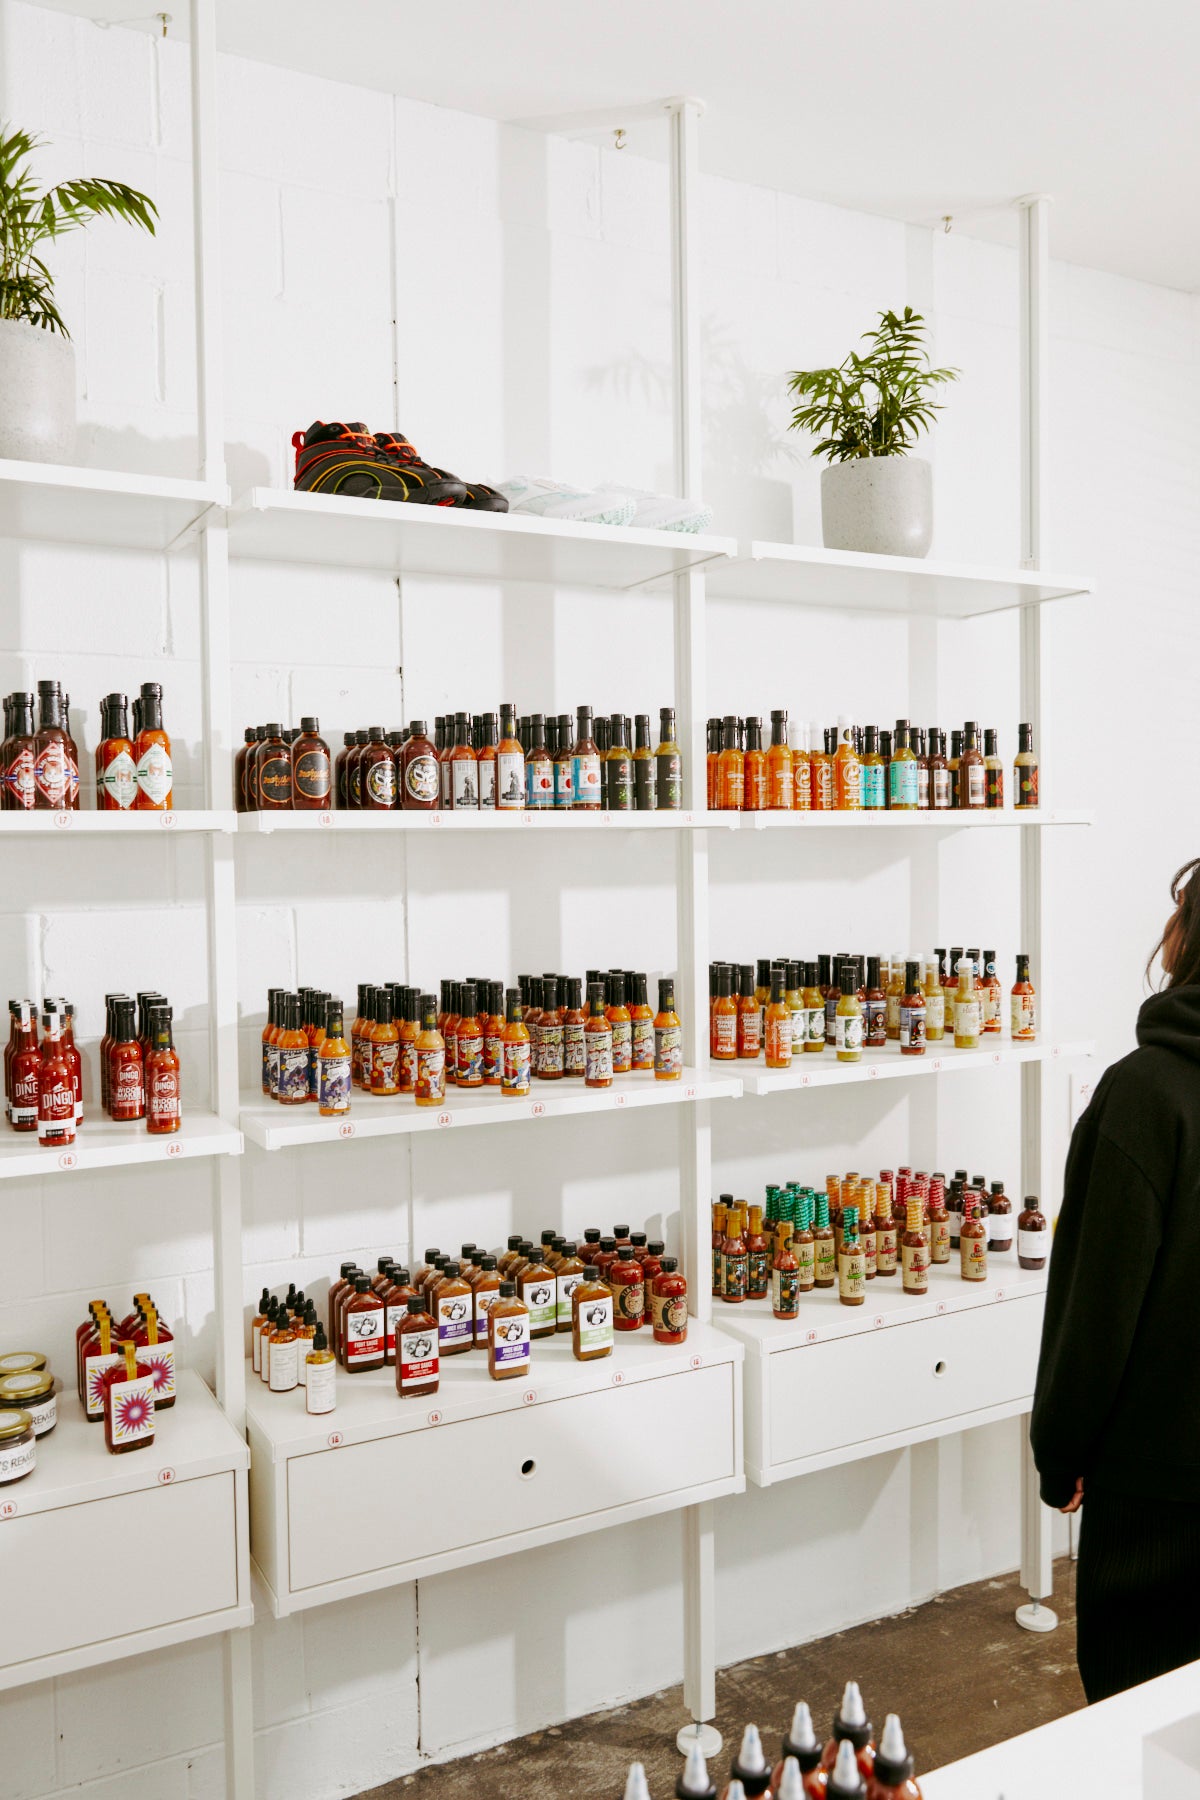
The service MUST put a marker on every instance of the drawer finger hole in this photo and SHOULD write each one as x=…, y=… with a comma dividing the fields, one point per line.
x=528, y=1468
x=939, y=1368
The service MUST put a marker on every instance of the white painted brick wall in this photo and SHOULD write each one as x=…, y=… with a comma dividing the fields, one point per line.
x=532, y=294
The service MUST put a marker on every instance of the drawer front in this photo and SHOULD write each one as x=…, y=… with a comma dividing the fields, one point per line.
x=131, y=1563
x=824, y=1397
x=399, y=1499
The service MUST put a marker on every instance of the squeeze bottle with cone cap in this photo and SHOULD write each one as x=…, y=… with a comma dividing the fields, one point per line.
x=845, y=1781
x=800, y=1746
x=851, y=1724
x=635, y=1783
x=750, y=1771
x=892, y=1776
x=695, y=1783
x=791, y=1782
x=733, y=1790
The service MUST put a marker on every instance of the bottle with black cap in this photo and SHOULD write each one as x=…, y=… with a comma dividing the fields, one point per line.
x=695, y=1783
x=800, y=1745
x=851, y=1725
x=312, y=777
x=892, y=1776
x=750, y=1767
x=791, y=1782
x=846, y=1778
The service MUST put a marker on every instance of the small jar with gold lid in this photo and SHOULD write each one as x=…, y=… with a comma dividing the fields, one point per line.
x=22, y=1362
x=18, y=1452
x=36, y=1394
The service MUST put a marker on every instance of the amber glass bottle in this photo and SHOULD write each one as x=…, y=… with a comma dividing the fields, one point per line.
x=1033, y=1235
x=824, y=1245
x=713, y=762
x=591, y=1317
x=598, y=1040
x=628, y=1284
x=668, y=764
x=312, y=775
x=972, y=775
x=417, y=1360
x=508, y=1335
x=731, y=768
x=914, y=1252
x=419, y=780
x=152, y=756
x=973, y=1242
x=377, y=773
x=537, y=1291
x=365, y=1327
x=780, y=767
x=431, y=1056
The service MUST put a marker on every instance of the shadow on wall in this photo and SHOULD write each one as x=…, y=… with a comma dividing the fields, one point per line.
x=743, y=447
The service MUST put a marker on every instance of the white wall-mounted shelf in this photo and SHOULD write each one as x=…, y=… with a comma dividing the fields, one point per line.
x=850, y=580
x=281, y=525
x=890, y=1065
x=961, y=1356
x=912, y=821
x=103, y=1144
x=102, y=507
x=276, y=1127
x=554, y=1444
x=115, y=824
x=153, y=1560
x=259, y=824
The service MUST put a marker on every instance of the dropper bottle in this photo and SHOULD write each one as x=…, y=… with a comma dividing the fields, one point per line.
x=792, y=1785
x=846, y=1781
x=749, y=1769
x=695, y=1783
x=800, y=1746
x=892, y=1776
x=635, y=1783
x=851, y=1725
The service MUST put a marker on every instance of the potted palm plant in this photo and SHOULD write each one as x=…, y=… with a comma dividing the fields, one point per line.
x=37, y=362
x=867, y=413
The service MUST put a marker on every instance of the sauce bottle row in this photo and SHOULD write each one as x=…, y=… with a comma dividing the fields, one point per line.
x=139, y=1067
x=852, y=768
x=780, y=1010
x=483, y=1036
x=39, y=759
x=472, y=763
x=849, y=1766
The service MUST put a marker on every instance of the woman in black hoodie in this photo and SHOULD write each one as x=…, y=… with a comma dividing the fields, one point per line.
x=1116, y=1412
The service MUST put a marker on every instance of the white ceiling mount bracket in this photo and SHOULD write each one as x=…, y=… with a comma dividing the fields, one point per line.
x=681, y=101
x=603, y=121
x=1033, y=199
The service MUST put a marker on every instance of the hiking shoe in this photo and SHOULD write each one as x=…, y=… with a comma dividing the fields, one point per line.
x=546, y=499
x=426, y=486
x=343, y=459
x=481, y=498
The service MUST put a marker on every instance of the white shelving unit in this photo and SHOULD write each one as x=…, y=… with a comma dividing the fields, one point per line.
x=104, y=1144
x=133, y=825
x=889, y=1065
x=683, y=1406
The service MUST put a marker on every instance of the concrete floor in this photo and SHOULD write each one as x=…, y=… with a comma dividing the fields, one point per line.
x=958, y=1670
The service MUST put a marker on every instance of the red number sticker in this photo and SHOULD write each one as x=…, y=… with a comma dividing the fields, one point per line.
x=62, y=820
x=810, y=1337
x=999, y=1293
x=529, y=1396
x=687, y=818
x=879, y=1318
x=537, y=1109
x=996, y=1056
x=689, y=1093
x=68, y=1159
x=335, y=1439
x=325, y=818
x=445, y=1118
x=173, y=1149
x=937, y=1062
x=435, y=818
x=434, y=1418
x=619, y=1099
x=8, y=1509
x=166, y=1477
x=618, y=1377
x=166, y=819
x=872, y=1072
x=346, y=1130
x=940, y=1307
x=697, y=1362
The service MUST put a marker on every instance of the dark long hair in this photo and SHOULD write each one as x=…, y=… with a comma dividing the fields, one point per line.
x=1185, y=892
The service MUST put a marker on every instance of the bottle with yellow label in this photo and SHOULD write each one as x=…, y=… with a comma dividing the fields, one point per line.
x=935, y=999
x=968, y=1021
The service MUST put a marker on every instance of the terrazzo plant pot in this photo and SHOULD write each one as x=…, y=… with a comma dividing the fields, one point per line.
x=881, y=504
x=37, y=393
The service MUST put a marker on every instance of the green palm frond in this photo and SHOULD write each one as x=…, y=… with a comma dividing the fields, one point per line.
x=875, y=404
x=29, y=217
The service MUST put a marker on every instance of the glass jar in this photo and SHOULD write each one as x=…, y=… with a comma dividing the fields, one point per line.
x=35, y=1394
x=21, y=1362
x=18, y=1453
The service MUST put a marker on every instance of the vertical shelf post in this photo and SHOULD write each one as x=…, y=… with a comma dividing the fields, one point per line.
x=222, y=918
x=695, y=1125
x=1037, y=1572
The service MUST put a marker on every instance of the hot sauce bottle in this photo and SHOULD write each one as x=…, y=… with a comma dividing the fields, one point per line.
x=801, y=766
x=990, y=997
x=847, y=769
x=851, y=1726
x=591, y=1317
x=785, y=1275
x=377, y=773
x=24, y=1069
x=668, y=764
x=973, y=1242
x=51, y=772
x=56, y=1092
x=939, y=1222
x=848, y=1017
x=1025, y=769
x=641, y=1023
x=417, y=1362
x=713, y=760
x=419, y=777
x=780, y=770
x=935, y=999
x=1033, y=1235
x=814, y=1006
x=821, y=780
x=902, y=771
x=628, y=1285
x=749, y=1017
x=18, y=784
x=799, y=1746
x=754, y=769
x=116, y=770
x=886, y=1231
x=291, y=1055
x=912, y=1012
x=516, y=1047
x=128, y=1403
x=240, y=801
x=1023, y=1004
x=272, y=771
x=892, y=1776
x=431, y=1057
x=874, y=1009
x=333, y=1065
x=312, y=775
x=724, y=1020
x=668, y=1303
x=364, y=1328
x=454, y=1306
x=914, y=1252
x=972, y=776
x=993, y=769
x=508, y=1335
x=585, y=763
x=999, y=1221
x=384, y=1047
x=126, y=1071
x=617, y=1014
x=750, y=1768
x=735, y=1259
x=852, y=1261
x=825, y=1246
x=469, y=1049
x=968, y=1021
x=618, y=769
x=731, y=769
x=668, y=1034
x=598, y=1040
x=778, y=1023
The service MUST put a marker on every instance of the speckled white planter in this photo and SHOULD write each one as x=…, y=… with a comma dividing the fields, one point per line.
x=37, y=393
x=881, y=504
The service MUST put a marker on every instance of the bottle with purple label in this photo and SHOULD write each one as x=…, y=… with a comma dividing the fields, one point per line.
x=508, y=1335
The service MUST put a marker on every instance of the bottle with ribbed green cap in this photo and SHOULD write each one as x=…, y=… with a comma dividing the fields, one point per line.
x=852, y=1261
x=826, y=1255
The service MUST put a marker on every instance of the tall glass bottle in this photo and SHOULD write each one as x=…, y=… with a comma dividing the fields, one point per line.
x=902, y=772
x=163, y=1106
x=152, y=757
x=510, y=764
x=431, y=1056
x=972, y=776
x=619, y=782
x=598, y=1040
x=847, y=769
x=668, y=764
x=116, y=770
x=668, y=1035
x=517, y=1069
x=585, y=763
x=1025, y=769
x=312, y=773
x=994, y=766
x=848, y=1017
x=781, y=792
x=731, y=768
x=643, y=764
x=50, y=754
x=754, y=769
x=801, y=766
x=873, y=773
x=1023, y=1004
x=968, y=1021
x=539, y=767
x=821, y=773
x=912, y=1012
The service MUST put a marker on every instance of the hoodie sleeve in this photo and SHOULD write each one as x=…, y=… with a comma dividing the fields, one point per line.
x=1105, y=1243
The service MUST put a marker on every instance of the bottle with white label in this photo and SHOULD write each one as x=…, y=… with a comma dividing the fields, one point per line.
x=320, y=1385
x=364, y=1328
x=152, y=755
x=1033, y=1235
x=283, y=1356
x=454, y=1304
x=510, y=765
x=968, y=1021
x=999, y=1220
x=508, y=1334
x=591, y=1317
x=417, y=1361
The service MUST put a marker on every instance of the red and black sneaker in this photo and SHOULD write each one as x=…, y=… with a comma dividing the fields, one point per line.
x=344, y=459
x=426, y=485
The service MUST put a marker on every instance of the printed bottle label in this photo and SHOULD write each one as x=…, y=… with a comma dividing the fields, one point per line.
x=872, y=785
x=668, y=781
x=779, y=1040
x=935, y=1015
x=119, y=780
x=550, y=1051
x=669, y=1313
x=1027, y=785
x=511, y=1340
x=816, y=1025
x=464, y=784
x=421, y=779
x=643, y=1043
x=885, y=1248
x=668, y=1050
x=785, y=1291
x=366, y=1332
x=852, y=1273
x=1033, y=1244
x=848, y=1031
x=470, y=1061
x=16, y=1460
x=334, y=1089
x=418, y=1354
x=510, y=781
x=393, y=1318
x=758, y=1274
x=914, y=1263
x=622, y=1046
x=94, y=1369
x=599, y=1065
x=596, y=1324
x=127, y=1094
x=50, y=773
x=736, y=1273
x=160, y=1360
x=539, y=782
x=485, y=774
x=912, y=1027
x=321, y=1385
x=293, y=1073
x=385, y=1067
x=574, y=1050
x=430, y=1083
x=630, y=1298
x=1024, y=1016
x=973, y=1256
x=566, y=1285
x=154, y=773
x=620, y=784
x=564, y=787
x=516, y=1068
x=585, y=780
x=806, y=1263
x=456, y=1322
x=19, y=782
x=1000, y=1230
x=311, y=774
x=922, y=787
x=939, y=1249
x=542, y=1300
x=381, y=782
x=131, y=1405
x=976, y=784
x=903, y=782
x=725, y=1034
x=485, y=1299
x=967, y=1018
x=493, y=1058
x=826, y=1259
x=941, y=788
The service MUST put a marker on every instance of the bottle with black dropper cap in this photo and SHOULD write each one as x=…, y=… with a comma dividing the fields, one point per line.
x=851, y=1725
x=892, y=1777
x=695, y=1783
x=801, y=1744
x=846, y=1778
x=750, y=1767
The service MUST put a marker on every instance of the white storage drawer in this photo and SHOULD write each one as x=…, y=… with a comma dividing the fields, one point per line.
x=932, y=1372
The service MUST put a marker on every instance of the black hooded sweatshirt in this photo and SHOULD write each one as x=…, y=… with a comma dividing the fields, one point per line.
x=1118, y=1383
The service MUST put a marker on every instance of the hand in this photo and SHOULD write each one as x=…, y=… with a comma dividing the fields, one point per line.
x=1076, y=1501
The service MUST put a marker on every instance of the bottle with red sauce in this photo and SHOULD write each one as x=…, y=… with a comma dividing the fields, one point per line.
x=851, y=1725
x=128, y=1403
x=116, y=769
x=668, y=1303
x=23, y=1075
x=18, y=785
x=51, y=753
x=56, y=1090
x=164, y=1110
